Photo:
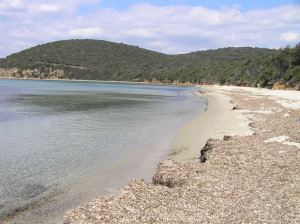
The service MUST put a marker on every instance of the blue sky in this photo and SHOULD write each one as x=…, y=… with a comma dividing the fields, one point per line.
x=246, y=5
x=171, y=27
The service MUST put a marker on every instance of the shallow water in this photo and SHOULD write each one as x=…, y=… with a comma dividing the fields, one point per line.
x=56, y=134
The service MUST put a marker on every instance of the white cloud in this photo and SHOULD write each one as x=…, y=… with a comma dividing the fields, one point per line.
x=139, y=32
x=290, y=37
x=44, y=8
x=10, y=4
x=170, y=29
x=157, y=43
x=86, y=32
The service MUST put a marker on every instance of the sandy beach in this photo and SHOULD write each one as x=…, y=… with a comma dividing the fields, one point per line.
x=219, y=119
x=154, y=148
x=249, y=176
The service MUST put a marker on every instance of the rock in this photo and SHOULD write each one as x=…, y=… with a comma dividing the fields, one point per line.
x=285, y=86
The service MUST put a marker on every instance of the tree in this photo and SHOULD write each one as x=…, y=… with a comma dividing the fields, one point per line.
x=296, y=55
x=282, y=60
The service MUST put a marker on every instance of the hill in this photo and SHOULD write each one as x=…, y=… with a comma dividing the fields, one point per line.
x=103, y=60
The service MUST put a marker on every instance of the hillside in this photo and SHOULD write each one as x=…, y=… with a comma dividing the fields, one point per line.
x=103, y=60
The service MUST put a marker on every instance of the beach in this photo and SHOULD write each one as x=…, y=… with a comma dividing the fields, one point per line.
x=104, y=156
x=218, y=120
x=238, y=162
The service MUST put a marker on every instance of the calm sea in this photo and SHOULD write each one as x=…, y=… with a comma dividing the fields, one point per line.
x=55, y=135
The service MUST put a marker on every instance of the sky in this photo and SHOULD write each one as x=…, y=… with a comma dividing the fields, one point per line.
x=171, y=27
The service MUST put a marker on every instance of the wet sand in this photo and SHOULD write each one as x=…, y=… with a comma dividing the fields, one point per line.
x=217, y=121
x=142, y=165
x=244, y=179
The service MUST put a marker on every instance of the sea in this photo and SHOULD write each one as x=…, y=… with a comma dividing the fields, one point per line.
x=56, y=137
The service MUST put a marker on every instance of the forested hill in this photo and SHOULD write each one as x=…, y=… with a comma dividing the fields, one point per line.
x=103, y=60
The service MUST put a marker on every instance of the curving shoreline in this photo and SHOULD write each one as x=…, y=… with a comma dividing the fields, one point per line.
x=218, y=120
x=143, y=164
x=252, y=178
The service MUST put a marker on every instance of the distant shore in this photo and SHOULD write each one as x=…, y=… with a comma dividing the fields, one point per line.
x=111, y=81
x=72, y=80
x=249, y=178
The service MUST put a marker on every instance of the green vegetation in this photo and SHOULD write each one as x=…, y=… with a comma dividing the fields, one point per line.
x=103, y=60
x=281, y=66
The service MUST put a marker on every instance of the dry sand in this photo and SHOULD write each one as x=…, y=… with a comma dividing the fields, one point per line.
x=245, y=179
x=217, y=121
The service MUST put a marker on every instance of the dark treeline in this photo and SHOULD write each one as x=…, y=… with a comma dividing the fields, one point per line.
x=103, y=60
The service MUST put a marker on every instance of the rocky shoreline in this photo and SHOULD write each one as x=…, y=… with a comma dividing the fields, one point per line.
x=237, y=179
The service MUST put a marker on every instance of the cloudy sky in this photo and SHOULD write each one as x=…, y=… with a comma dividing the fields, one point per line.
x=168, y=26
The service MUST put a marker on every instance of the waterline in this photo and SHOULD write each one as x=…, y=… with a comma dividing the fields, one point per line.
x=57, y=135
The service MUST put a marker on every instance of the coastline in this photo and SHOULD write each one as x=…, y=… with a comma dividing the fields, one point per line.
x=109, y=81
x=249, y=178
x=141, y=165
x=217, y=121
x=66, y=80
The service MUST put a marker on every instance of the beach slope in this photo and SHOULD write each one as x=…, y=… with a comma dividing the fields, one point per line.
x=239, y=179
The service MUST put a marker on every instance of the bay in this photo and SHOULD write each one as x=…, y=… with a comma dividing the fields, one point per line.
x=56, y=135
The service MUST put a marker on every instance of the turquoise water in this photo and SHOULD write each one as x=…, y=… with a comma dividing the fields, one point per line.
x=56, y=134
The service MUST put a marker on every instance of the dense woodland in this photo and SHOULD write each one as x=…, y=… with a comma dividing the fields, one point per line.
x=103, y=60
